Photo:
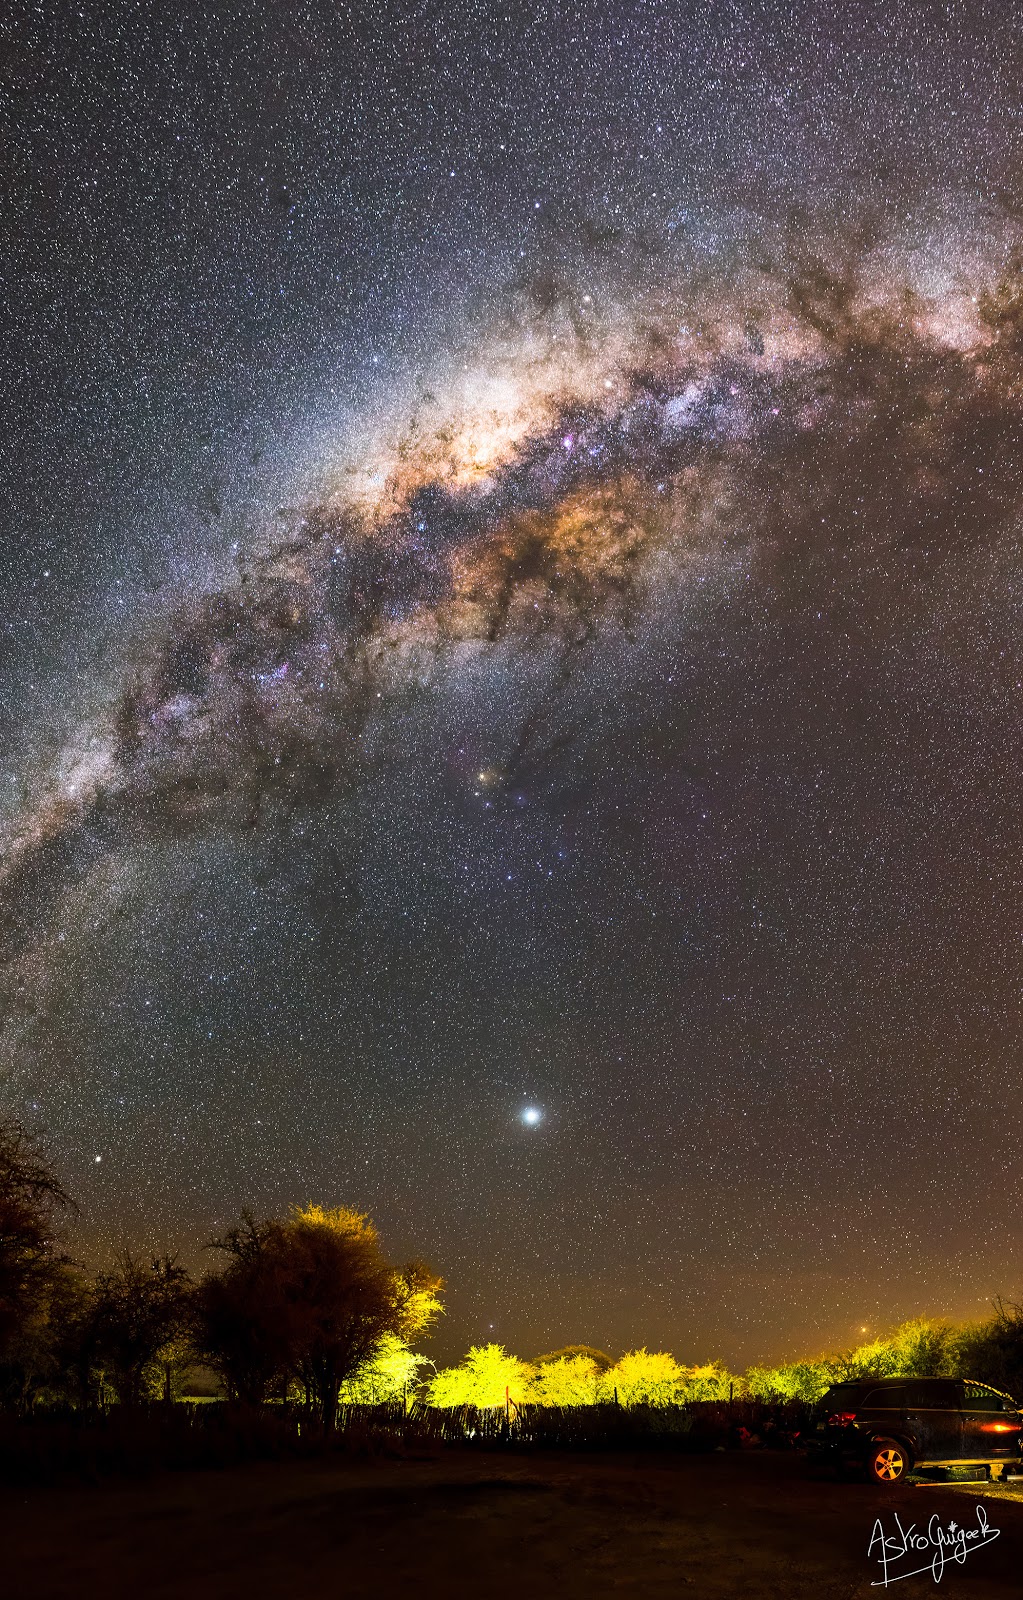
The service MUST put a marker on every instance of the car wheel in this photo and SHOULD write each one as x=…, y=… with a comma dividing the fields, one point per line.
x=888, y=1461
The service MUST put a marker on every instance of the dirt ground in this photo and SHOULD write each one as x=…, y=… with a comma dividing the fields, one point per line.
x=492, y=1525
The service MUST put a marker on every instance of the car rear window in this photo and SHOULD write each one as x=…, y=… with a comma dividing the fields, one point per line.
x=841, y=1397
x=888, y=1399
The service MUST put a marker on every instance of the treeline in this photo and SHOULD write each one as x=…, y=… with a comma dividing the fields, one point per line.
x=990, y=1351
x=308, y=1309
x=299, y=1307
x=578, y=1375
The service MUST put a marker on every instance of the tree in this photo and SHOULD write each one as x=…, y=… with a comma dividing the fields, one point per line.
x=600, y=1358
x=992, y=1352
x=243, y=1320
x=484, y=1378
x=312, y=1297
x=347, y=1298
x=924, y=1348
x=877, y=1358
x=798, y=1380
x=389, y=1374
x=570, y=1380
x=644, y=1377
x=138, y=1312
x=75, y=1366
x=712, y=1381
x=31, y=1265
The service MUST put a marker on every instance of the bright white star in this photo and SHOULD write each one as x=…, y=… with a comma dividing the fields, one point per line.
x=531, y=1116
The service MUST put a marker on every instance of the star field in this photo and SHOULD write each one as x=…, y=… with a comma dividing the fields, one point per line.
x=510, y=668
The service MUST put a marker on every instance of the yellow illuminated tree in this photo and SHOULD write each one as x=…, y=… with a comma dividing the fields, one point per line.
x=709, y=1382
x=644, y=1377
x=390, y=1374
x=568, y=1381
x=796, y=1380
x=484, y=1378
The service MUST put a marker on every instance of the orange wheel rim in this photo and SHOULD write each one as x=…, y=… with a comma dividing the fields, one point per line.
x=888, y=1464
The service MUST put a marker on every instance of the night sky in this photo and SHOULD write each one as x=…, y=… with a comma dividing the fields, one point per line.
x=510, y=597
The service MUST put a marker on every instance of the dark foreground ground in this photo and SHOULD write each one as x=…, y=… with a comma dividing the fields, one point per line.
x=491, y=1525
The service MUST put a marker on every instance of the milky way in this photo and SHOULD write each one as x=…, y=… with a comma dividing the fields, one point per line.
x=259, y=695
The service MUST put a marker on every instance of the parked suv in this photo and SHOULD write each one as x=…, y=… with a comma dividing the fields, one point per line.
x=888, y=1425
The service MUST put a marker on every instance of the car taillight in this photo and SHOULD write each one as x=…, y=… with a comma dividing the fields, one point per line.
x=838, y=1419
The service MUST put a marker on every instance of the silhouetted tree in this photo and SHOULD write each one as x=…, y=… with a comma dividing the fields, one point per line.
x=138, y=1311
x=31, y=1265
x=244, y=1321
x=75, y=1365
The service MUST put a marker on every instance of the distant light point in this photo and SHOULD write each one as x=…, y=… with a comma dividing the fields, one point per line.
x=531, y=1116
